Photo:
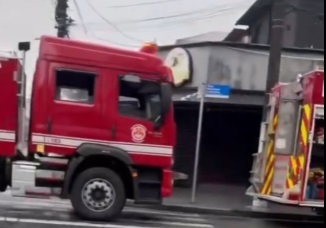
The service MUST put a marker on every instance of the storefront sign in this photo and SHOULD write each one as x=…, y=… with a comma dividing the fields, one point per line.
x=218, y=91
x=180, y=62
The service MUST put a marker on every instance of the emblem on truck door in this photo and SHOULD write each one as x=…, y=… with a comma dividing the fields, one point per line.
x=138, y=133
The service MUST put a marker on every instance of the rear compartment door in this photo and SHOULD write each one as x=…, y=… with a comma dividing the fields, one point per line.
x=279, y=184
x=8, y=106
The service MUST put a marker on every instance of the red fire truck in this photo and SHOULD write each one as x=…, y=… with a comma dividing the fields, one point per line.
x=289, y=169
x=101, y=128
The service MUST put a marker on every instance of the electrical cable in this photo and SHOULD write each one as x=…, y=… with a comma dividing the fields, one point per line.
x=207, y=10
x=142, y=4
x=210, y=15
x=81, y=17
x=112, y=24
x=114, y=42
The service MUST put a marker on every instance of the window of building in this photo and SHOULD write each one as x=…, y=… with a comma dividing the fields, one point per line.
x=140, y=100
x=75, y=86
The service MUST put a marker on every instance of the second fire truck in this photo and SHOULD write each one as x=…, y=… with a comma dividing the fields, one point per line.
x=289, y=169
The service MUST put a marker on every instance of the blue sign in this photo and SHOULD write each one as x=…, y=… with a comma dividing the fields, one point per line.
x=218, y=91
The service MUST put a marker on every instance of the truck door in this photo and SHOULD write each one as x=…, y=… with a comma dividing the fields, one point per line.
x=138, y=106
x=74, y=108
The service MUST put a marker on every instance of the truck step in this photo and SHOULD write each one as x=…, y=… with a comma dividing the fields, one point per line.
x=149, y=187
x=53, y=163
x=30, y=181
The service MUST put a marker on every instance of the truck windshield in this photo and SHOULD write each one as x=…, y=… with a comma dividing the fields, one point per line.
x=140, y=100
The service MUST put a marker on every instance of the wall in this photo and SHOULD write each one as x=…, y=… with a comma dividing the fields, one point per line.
x=310, y=23
x=244, y=68
x=260, y=31
x=303, y=27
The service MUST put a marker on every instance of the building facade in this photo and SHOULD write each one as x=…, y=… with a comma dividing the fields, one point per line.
x=231, y=126
x=304, y=23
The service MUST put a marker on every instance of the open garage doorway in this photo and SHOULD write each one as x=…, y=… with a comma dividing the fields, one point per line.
x=229, y=138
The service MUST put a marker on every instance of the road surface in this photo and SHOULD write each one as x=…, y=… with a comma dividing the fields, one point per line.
x=25, y=213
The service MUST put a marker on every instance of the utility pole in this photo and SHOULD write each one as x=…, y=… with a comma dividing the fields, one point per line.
x=62, y=19
x=276, y=46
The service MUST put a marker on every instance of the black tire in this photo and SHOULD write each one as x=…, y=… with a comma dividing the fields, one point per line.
x=92, y=174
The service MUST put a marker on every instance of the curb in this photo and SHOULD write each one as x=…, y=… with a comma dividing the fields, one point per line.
x=245, y=213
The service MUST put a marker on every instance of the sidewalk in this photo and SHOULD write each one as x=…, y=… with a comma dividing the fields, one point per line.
x=226, y=200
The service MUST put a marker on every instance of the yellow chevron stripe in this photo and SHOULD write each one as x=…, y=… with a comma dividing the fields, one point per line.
x=269, y=176
x=269, y=190
x=294, y=165
x=305, y=134
x=275, y=121
x=290, y=184
x=302, y=161
x=307, y=111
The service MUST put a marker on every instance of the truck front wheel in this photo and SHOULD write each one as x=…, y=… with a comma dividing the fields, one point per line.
x=98, y=194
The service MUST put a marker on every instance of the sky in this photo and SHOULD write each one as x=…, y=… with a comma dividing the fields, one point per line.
x=130, y=23
x=122, y=23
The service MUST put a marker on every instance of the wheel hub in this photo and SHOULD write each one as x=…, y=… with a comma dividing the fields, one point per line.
x=98, y=195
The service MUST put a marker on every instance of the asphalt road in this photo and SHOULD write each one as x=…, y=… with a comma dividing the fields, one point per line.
x=25, y=213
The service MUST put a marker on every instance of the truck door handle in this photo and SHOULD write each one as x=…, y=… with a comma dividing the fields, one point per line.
x=114, y=131
x=49, y=125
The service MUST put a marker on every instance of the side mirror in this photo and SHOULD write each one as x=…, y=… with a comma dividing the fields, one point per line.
x=24, y=46
x=166, y=93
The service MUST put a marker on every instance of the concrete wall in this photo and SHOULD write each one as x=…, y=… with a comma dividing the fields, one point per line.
x=247, y=69
x=244, y=68
x=298, y=24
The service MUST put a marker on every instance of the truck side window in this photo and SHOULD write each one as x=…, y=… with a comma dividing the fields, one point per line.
x=75, y=86
x=142, y=100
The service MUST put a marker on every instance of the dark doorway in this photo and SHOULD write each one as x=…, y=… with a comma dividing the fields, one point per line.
x=230, y=136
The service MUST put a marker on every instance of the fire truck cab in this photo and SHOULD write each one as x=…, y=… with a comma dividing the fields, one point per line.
x=289, y=168
x=101, y=127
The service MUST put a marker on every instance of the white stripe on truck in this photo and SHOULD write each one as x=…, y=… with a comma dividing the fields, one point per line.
x=7, y=136
x=134, y=148
x=70, y=142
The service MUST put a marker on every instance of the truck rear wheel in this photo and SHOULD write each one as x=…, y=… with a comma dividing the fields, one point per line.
x=98, y=194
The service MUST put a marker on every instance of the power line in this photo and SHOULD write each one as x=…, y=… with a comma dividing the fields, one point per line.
x=86, y=31
x=81, y=17
x=210, y=15
x=205, y=11
x=113, y=42
x=112, y=24
x=142, y=4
